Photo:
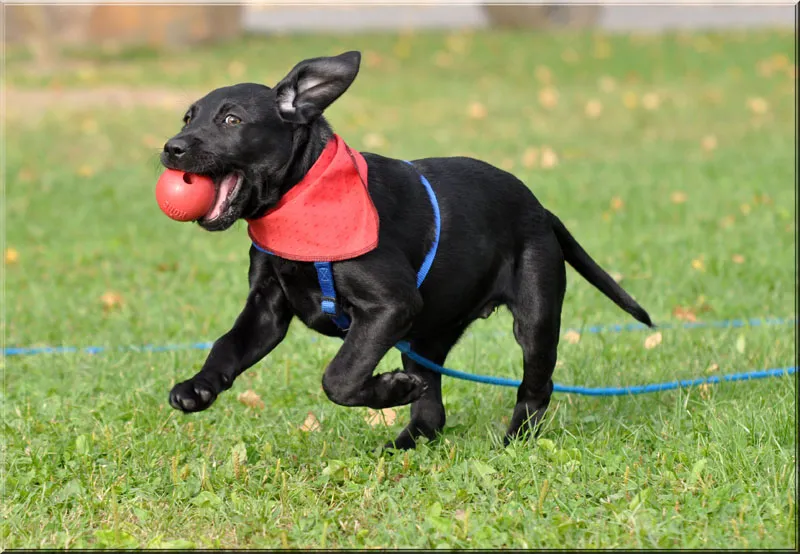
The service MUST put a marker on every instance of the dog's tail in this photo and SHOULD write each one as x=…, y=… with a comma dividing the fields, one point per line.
x=577, y=257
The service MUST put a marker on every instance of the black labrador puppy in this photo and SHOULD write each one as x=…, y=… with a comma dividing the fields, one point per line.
x=497, y=246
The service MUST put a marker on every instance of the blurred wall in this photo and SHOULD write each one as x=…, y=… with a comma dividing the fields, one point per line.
x=155, y=25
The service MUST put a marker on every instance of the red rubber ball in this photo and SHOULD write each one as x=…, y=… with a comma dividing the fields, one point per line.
x=184, y=196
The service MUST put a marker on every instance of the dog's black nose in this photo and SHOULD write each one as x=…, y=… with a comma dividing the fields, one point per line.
x=176, y=147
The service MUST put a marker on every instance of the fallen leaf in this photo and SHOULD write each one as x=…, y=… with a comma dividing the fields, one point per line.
x=698, y=264
x=709, y=143
x=593, y=109
x=684, y=314
x=617, y=203
x=572, y=337
x=712, y=368
x=548, y=97
x=12, y=256
x=477, y=110
x=549, y=158
x=111, y=300
x=630, y=100
x=758, y=105
x=678, y=197
x=651, y=101
x=386, y=417
x=460, y=515
x=607, y=84
x=530, y=157
x=737, y=259
x=745, y=209
x=236, y=69
x=653, y=340
x=374, y=140
x=310, y=424
x=250, y=399
x=85, y=171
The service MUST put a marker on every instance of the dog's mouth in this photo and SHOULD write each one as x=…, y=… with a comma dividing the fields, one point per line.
x=228, y=188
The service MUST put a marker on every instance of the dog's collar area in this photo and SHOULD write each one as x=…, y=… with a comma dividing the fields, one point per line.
x=325, y=270
x=328, y=216
x=260, y=230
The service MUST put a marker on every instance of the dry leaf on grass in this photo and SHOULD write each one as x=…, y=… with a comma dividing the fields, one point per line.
x=572, y=337
x=310, y=424
x=653, y=340
x=630, y=100
x=380, y=417
x=651, y=101
x=712, y=368
x=698, y=264
x=758, y=105
x=678, y=197
x=709, y=143
x=549, y=158
x=684, y=314
x=593, y=109
x=745, y=209
x=111, y=300
x=548, y=97
x=617, y=203
x=85, y=171
x=12, y=256
x=477, y=110
x=737, y=259
x=250, y=399
x=530, y=157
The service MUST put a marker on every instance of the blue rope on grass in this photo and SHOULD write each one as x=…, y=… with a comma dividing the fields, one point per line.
x=405, y=348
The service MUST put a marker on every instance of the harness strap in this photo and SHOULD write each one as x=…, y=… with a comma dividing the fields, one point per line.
x=325, y=271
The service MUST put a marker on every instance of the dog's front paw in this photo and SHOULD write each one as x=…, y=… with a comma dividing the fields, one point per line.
x=191, y=396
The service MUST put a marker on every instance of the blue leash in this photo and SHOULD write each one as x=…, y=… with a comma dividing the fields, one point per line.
x=405, y=348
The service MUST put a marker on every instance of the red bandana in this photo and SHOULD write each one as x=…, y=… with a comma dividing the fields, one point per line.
x=327, y=217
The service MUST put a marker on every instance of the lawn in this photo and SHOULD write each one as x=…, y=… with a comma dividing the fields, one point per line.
x=671, y=159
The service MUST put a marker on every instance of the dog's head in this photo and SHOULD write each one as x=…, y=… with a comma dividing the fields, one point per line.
x=254, y=141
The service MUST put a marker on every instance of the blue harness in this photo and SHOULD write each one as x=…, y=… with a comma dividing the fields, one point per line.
x=329, y=304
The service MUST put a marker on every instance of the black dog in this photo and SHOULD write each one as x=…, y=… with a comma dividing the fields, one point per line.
x=498, y=246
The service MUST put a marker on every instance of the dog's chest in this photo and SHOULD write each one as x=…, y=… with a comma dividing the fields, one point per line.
x=302, y=291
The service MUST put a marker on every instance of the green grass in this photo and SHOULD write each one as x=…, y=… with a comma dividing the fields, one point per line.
x=94, y=456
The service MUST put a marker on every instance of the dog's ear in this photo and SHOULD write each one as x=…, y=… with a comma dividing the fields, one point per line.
x=314, y=84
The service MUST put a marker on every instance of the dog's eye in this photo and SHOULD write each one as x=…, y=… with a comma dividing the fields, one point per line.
x=186, y=119
x=232, y=120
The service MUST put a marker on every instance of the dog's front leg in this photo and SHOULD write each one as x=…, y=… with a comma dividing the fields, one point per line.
x=260, y=327
x=348, y=379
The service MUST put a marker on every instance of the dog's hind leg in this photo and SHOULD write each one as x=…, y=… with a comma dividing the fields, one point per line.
x=427, y=413
x=540, y=283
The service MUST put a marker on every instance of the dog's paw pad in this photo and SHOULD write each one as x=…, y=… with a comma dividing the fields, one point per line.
x=191, y=397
